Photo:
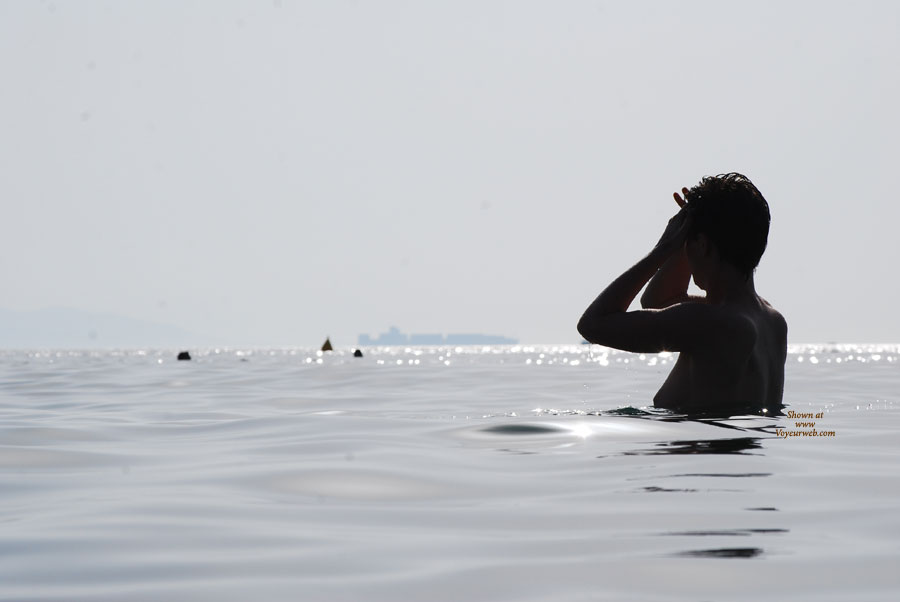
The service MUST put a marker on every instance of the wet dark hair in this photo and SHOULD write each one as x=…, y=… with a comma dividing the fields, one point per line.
x=733, y=215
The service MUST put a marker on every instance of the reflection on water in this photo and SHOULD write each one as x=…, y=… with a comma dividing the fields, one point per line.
x=724, y=532
x=518, y=428
x=724, y=474
x=655, y=430
x=722, y=553
x=751, y=445
x=709, y=416
x=738, y=445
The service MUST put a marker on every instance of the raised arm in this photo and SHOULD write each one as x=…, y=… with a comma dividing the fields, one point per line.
x=607, y=320
x=670, y=283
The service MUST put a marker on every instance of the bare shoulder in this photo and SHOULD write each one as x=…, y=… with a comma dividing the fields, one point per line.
x=737, y=329
x=774, y=329
x=714, y=326
x=777, y=321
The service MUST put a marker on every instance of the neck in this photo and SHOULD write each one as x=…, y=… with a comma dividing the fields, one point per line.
x=727, y=285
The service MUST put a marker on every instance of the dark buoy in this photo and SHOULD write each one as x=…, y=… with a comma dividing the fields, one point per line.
x=184, y=356
x=357, y=353
x=327, y=346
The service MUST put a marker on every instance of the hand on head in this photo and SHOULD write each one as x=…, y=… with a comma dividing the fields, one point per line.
x=675, y=233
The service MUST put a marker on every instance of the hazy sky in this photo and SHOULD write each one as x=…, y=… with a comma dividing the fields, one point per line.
x=272, y=172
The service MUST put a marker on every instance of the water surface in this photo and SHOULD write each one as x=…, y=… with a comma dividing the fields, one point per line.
x=504, y=473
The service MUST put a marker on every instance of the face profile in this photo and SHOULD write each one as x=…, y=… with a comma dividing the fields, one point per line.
x=696, y=250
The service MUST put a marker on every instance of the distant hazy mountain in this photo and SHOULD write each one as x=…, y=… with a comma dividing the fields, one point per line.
x=395, y=337
x=63, y=327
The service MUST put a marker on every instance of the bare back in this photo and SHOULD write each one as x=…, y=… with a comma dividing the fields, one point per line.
x=742, y=370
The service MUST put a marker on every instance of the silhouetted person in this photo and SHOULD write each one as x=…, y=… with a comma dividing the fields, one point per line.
x=732, y=343
x=357, y=353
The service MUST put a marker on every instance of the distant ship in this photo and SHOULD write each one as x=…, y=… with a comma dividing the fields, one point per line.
x=394, y=337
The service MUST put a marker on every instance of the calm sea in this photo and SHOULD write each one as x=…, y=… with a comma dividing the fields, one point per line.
x=504, y=473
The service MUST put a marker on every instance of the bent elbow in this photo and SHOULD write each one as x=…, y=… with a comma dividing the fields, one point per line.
x=584, y=330
x=580, y=327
